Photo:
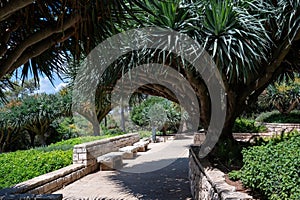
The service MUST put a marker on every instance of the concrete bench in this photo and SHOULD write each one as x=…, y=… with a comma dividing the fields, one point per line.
x=142, y=145
x=129, y=151
x=110, y=161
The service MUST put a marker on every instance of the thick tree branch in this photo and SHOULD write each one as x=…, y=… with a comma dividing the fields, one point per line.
x=41, y=47
x=279, y=57
x=293, y=105
x=157, y=90
x=35, y=38
x=13, y=6
x=5, y=36
x=203, y=96
x=297, y=37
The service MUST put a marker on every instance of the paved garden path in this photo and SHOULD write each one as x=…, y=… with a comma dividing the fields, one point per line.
x=160, y=173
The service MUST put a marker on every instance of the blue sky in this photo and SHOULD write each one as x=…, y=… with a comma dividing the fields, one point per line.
x=45, y=84
x=47, y=87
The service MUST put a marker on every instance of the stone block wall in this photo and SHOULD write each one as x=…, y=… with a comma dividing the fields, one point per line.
x=84, y=163
x=279, y=127
x=50, y=182
x=208, y=183
x=87, y=153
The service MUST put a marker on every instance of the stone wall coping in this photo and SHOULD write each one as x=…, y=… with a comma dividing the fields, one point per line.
x=217, y=180
x=104, y=141
x=254, y=134
x=32, y=196
x=41, y=180
x=281, y=124
x=54, y=180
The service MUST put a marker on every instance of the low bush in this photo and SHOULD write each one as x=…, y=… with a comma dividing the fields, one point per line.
x=23, y=165
x=273, y=168
x=243, y=125
x=20, y=166
x=145, y=134
x=277, y=117
x=228, y=153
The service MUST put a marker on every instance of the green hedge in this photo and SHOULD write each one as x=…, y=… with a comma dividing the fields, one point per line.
x=243, y=125
x=20, y=166
x=277, y=117
x=273, y=168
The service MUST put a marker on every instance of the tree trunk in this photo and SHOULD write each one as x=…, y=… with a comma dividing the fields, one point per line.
x=96, y=128
x=122, y=119
x=32, y=138
x=153, y=134
x=105, y=122
x=42, y=139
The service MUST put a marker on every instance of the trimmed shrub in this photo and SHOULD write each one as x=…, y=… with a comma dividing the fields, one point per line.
x=243, y=125
x=273, y=168
x=20, y=166
x=277, y=117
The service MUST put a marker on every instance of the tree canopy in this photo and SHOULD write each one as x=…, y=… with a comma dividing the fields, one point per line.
x=252, y=42
x=165, y=111
x=41, y=36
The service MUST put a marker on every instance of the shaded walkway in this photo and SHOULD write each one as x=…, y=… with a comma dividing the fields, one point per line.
x=168, y=181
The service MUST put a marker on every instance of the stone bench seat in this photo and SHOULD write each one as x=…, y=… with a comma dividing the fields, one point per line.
x=142, y=145
x=129, y=151
x=110, y=161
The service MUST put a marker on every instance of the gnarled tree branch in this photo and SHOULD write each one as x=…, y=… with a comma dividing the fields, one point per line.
x=13, y=6
x=34, y=39
x=41, y=47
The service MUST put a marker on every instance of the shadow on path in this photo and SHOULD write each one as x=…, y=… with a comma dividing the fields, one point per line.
x=167, y=183
x=161, y=173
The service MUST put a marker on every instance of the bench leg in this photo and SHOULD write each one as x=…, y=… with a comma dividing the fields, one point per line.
x=111, y=165
x=128, y=155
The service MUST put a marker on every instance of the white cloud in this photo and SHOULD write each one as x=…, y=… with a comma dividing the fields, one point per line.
x=47, y=87
x=60, y=86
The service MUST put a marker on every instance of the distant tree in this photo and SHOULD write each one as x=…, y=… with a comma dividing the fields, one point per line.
x=10, y=125
x=21, y=90
x=32, y=115
x=161, y=112
x=284, y=96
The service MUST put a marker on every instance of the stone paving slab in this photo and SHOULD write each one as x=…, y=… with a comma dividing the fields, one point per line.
x=159, y=173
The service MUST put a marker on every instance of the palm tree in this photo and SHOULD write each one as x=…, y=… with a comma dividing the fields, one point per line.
x=41, y=36
x=284, y=96
x=251, y=43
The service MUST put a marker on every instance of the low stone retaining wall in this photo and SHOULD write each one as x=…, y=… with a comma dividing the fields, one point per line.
x=84, y=162
x=49, y=182
x=87, y=153
x=32, y=196
x=279, y=127
x=208, y=183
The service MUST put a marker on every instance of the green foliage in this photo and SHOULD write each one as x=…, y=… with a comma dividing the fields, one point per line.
x=284, y=96
x=277, y=117
x=234, y=36
x=243, y=125
x=32, y=115
x=23, y=165
x=66, y=128
x=273, y=168
x=144, y=113
x=145, y=134
x=79, y=140
x=228, y=152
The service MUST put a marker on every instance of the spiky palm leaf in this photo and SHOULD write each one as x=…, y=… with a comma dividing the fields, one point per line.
x=41, y=35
